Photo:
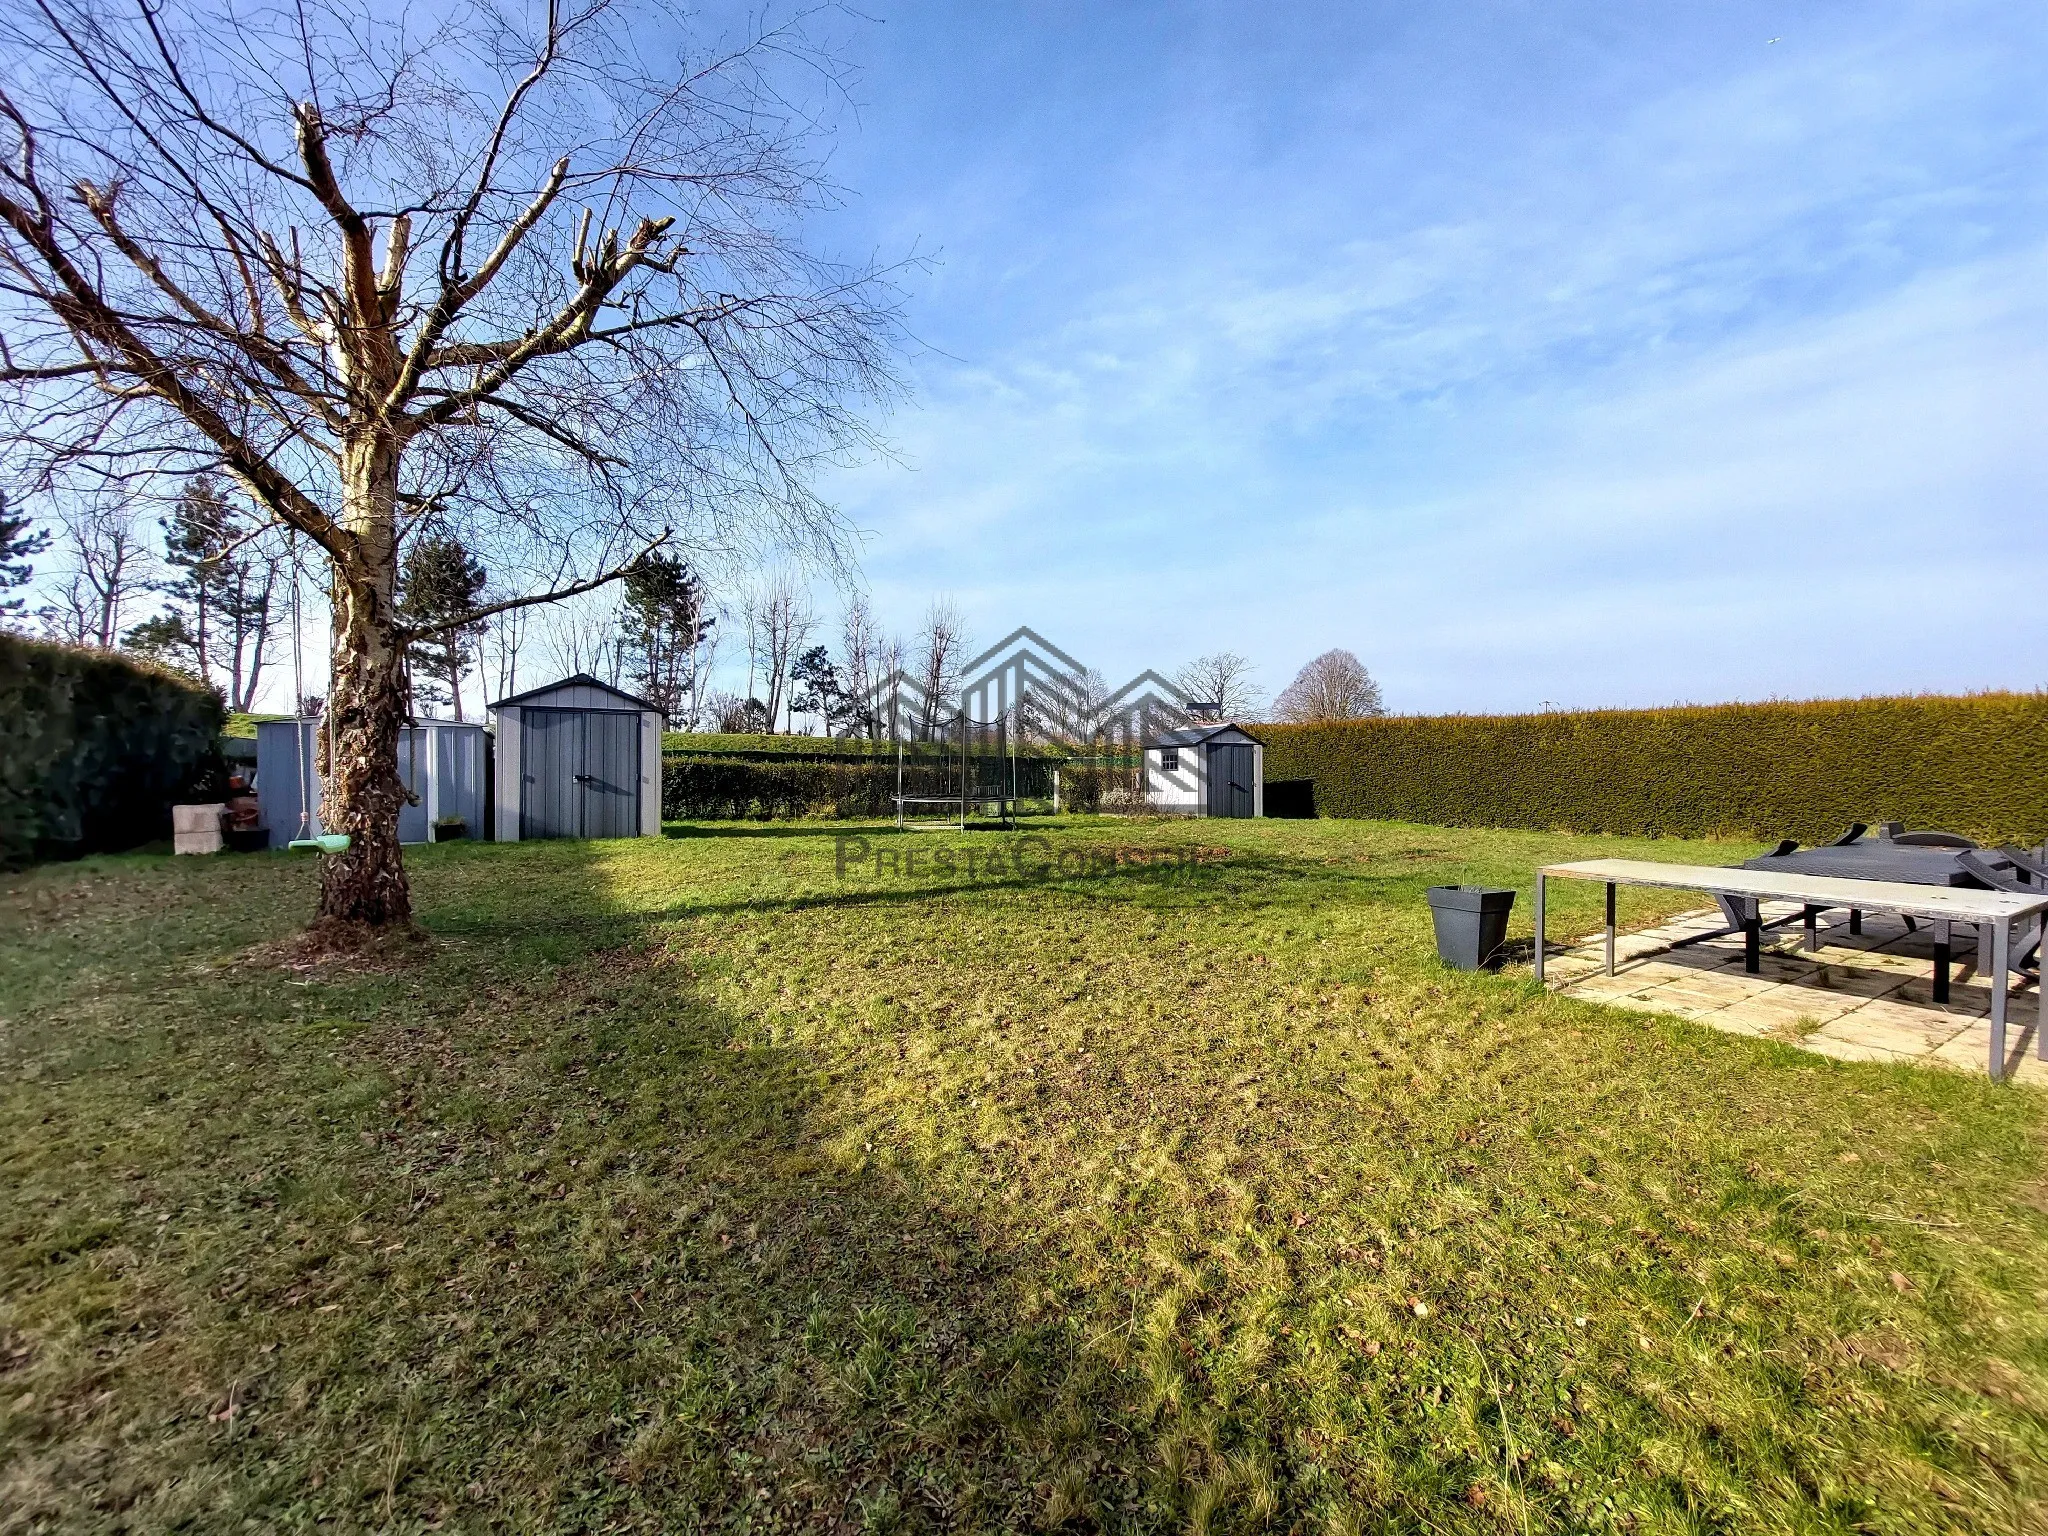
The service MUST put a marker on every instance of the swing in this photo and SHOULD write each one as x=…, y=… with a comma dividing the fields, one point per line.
x=305, y=842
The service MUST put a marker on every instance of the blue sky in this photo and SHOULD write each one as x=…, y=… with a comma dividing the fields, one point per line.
x=1568, y=353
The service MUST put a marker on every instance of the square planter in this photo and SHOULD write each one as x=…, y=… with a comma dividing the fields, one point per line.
x=450, y=831
x=1471, y=924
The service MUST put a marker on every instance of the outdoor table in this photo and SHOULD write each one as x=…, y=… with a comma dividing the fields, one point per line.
x=1994, y=913
x=1876, y=858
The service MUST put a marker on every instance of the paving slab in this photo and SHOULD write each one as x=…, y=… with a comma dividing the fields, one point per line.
x=1859, y=997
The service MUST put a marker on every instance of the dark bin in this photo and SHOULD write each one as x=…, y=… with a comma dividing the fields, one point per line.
x=1471, y=924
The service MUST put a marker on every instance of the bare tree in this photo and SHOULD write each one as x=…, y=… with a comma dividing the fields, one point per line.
x=941, y=648
x=1225, y=680
x=779, y=620
x=107, y=568
x=580, y=636
x=892, y=666
x=533, y=274
x=860, y=655
x=1335, y=686
x=501, y=644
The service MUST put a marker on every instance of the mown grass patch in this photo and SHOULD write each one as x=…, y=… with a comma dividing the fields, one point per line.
x=687, y=1184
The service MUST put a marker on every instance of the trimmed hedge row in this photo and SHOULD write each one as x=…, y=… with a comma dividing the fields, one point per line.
x=96, y=749
x=1976, y=764
x=816, y=749
x=740, y=789
x=774, y=748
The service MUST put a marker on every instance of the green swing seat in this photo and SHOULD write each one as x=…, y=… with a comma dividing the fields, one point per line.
x=327, y=842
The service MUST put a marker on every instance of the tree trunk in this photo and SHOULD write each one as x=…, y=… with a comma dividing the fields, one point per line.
x=365, y=703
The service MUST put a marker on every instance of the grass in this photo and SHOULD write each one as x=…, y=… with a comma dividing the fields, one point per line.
x=686, y=1185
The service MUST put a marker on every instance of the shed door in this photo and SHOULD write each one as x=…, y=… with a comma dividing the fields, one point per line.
x=611, y=774
x=581, y=769
x=1230, y=781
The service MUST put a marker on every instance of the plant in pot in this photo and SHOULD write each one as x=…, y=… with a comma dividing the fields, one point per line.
x=450, y=829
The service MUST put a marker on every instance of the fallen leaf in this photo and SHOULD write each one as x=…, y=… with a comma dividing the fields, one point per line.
x=1900, y=1283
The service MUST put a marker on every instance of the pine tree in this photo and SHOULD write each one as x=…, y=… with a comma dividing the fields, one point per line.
x=224, y=589
x=441, y=581
x=20, y=542
x=661, y=624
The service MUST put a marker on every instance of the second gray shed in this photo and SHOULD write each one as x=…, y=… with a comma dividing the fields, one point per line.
x=578, y=758
x=443, y=762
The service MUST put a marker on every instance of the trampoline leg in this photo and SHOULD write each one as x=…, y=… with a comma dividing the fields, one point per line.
x=1753, y=937
x=1812, y=928
x=1856, y=922
x=1941, y=959
x=1610, y=927
x=1539, y=925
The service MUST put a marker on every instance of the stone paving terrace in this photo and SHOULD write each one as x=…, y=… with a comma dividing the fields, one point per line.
x=1859, y=997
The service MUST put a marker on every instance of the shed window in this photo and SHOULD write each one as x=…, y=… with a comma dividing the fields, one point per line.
x=1169, y=759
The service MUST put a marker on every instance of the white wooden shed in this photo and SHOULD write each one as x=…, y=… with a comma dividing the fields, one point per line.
x=1206, y=770
x=577, y=758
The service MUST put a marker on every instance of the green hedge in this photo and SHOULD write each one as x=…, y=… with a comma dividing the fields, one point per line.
x=738, y=789
x=96, y=748
x=735, y=788
x=816, y=749
x=774, y=748
x=1976, y=765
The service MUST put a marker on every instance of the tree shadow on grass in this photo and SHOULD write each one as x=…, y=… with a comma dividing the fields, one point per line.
x=555, y=1244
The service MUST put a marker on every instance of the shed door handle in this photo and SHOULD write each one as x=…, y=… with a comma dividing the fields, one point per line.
x=583, y=778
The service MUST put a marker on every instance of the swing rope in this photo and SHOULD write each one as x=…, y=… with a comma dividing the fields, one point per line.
x=305, y=842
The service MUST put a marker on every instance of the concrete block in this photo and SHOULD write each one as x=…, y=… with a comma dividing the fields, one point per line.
x=196, y=828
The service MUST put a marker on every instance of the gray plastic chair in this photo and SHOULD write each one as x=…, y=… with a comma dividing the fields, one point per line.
x=2027, y=947
x=1933, y=840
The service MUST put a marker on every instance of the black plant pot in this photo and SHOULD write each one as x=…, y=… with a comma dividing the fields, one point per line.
x=1471, y=924
x=450, y=831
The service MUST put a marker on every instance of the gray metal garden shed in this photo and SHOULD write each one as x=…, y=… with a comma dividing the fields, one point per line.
x=578, y=758
x=443, y=763
x=1206, y=770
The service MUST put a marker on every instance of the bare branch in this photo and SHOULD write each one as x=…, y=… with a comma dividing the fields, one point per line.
x=559, y=594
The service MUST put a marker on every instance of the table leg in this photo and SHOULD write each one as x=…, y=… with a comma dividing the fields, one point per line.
x=1994, y=936
x=1941, y=959
x=1812, y=915
x=1610, y=927
x=1856, y=922
x=1752, y=935
x=1539, y=925
x=2040, y=990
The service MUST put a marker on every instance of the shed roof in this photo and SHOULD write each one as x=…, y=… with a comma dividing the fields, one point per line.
x=575, y=680
x=1195, y=735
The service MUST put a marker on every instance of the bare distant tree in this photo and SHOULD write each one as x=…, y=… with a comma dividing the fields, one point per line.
x=106, y=570
x=941, y=648
x=580, y=637
x=860, y=647
x=779, y=620
x=1335, y=686
x=1067, y=709
x=500, y=646
x=534, y=274
x=892, y=665
x=1225, y=680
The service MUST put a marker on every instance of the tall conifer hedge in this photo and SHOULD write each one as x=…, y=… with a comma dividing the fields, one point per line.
x=95, y=748
x=1976, y=764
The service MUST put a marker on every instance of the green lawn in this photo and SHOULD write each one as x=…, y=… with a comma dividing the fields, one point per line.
x=683, y=1185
